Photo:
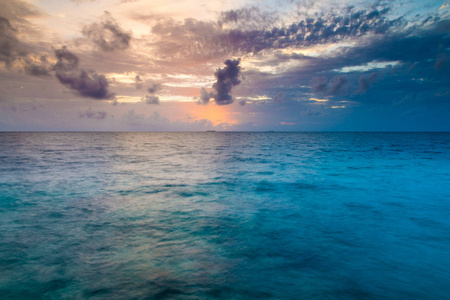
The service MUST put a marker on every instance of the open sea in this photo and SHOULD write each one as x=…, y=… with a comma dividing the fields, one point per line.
x=224, y=215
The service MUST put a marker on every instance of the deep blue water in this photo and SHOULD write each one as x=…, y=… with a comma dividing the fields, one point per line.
x=224, y=215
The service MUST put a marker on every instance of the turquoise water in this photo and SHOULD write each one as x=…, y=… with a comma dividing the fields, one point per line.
x=215, y=215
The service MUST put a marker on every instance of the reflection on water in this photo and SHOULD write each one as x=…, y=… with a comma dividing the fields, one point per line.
x=224, y=215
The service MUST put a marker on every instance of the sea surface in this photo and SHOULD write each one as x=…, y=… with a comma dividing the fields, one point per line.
x=224, y=215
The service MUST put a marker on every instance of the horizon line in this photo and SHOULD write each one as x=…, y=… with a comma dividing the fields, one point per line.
x=225, y=131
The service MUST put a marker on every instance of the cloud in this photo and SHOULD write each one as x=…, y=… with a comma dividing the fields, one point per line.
x=67, y=61
x=397, y=57
x=336, y=86
x=138, y=82
x=16, y=13
x=14, y=24
x=107, y=34
x=157, y=121
x=154, y=87
x=132, y=118
x=366, y=81
x=14, y=55
x=85, y=83
x=199, y=40
x=227, y=78
x=204, y=96
x=415, y=44
x=90, y=114
x=250, y=18
x=249, y=30
x=150, y=99
x=8, y=42
x=39, y=67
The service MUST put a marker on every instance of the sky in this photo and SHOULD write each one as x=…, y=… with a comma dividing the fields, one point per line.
x=251, y=65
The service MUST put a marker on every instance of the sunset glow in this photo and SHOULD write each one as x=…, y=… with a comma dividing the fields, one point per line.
x=198, y=65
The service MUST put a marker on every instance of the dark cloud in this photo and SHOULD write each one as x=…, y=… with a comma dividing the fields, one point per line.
x=37, y=68
x=366, y=81
x=16, y=54
x=331, y=28
x=151, y=98
x=337, y=85
x=138, y=82
x=413, y=52
x=204, y=96
x=107, y=34
x=333, y=87
x=90, y=114
x=414, y=45
x=242, y=102
x=154, y=87
x=67, y=61
x=13, y=53
x=9, y=44
x=227, y=78
x=85, y=83
x=14, y=23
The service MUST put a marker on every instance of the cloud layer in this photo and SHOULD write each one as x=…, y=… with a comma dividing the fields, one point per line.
x=250, y=31
x=286, y=65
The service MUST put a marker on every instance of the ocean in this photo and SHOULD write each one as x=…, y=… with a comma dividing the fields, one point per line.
x=224, y=215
